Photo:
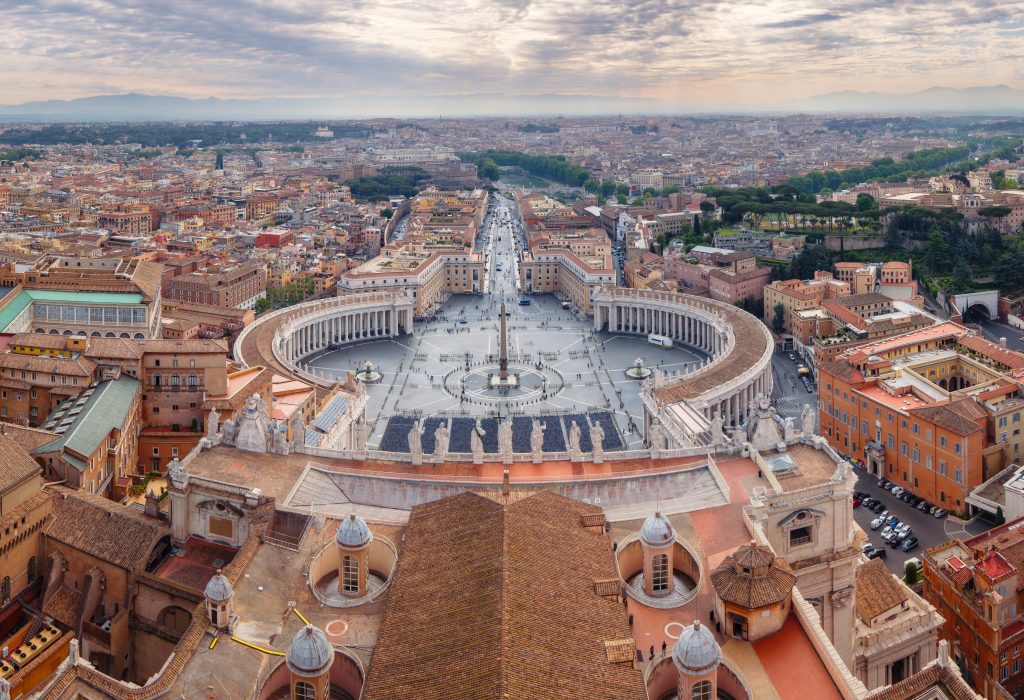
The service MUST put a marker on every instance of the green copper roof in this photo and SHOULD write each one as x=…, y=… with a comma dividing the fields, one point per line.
x=88, y=418
x=25, y=297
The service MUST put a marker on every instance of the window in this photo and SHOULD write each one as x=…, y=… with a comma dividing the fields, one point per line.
x=305, y=691
x=942, y=441
x=192, y=379
x=31, y=569
x=701, y=691
x=349, y=574
x=659, y=573
x=799, y=536
x=5, y=590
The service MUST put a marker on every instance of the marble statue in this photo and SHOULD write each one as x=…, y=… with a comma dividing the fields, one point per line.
x=361, y=434
x=228, y=432
x=279, y=440
x=807, y=420
x=597, y=441
x=574, y=438
x=505, y=437
x=717, y=427
x=416, y=440
x=789, y=430
x=655, y=439
x=212, y=424
x=537, y=436
x=441, y=440
x=476, y=440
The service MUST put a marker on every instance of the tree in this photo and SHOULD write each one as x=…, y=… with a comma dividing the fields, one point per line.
x=812, y=259
x=910, y=573
x=621, y=198
x=778, y=318
x=696, y=225
x=387, y=212
x=707, y=208
x=962, y=276
x=865, y=202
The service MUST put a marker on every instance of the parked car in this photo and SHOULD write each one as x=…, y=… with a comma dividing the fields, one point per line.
x=878, y=507
x=886, y=533
x=867, y=547
x=868, y=502
x=877, y=523
x=882, y=483
x=877, y=553
x=923, y=506
x=856, y=502
x=909, y=543
x=941, y=513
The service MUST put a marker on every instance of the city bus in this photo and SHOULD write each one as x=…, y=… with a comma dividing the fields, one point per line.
x=661, y=340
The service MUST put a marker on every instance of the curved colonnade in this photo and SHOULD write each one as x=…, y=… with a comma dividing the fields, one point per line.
x=281, y=339
x=739, y=345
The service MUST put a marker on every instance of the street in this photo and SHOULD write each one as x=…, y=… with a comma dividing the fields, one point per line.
x=993, y=330
x=789, y=394
x=928, y=529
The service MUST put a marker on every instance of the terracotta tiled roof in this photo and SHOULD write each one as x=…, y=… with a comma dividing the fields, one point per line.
x=1013, y=360
x=932, y=676
x=843, y=370
x=949, y=417
x=877, y=590
x=497, y=601
x=28, y=438
x=15, y=463
x=753, y=578
x=104, y=529
x=63, y=605
x=194, y=345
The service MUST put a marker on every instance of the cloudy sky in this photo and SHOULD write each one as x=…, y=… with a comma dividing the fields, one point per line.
x=682, y=52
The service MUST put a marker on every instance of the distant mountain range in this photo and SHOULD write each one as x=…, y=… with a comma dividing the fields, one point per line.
x=991, y=100
x=137, y=107
x=995, y=99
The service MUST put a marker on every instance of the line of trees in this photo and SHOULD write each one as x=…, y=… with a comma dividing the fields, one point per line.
x=389, y=181
x=923, y=163
x=556, y=168
x=288, y=295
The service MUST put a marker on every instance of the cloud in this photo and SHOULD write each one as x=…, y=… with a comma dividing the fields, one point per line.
x=721, y=51
x=804, y=21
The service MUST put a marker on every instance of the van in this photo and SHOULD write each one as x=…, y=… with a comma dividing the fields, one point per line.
x=916, y=562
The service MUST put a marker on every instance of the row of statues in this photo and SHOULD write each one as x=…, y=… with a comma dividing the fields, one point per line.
x=442, y=438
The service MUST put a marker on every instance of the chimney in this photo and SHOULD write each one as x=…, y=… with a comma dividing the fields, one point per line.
x=1002, y=341
x=505, y=488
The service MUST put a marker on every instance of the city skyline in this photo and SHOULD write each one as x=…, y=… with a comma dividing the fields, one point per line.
x=692, y=54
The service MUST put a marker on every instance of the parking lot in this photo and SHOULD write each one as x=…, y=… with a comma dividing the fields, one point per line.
x=929, y=530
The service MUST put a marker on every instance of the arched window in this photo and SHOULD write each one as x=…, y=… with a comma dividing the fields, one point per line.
x=349, y=574
x=701, y=691
x=175, y=618
x=31, y=569
x=659, y=573
x=304, y=691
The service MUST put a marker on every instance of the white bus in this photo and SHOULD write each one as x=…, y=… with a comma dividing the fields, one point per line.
x=661, y=340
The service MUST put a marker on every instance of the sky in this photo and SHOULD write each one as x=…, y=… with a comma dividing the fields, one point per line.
x=681, y=52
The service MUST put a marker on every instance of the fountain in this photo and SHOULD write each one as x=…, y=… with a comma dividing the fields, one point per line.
x=638, y=371
x=369, y=374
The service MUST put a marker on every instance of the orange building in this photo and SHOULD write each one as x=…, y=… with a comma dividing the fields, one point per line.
x=919, y=408
x=976, y=586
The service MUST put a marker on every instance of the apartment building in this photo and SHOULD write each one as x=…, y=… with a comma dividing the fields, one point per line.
x=133, y=220
x=802, y=300
x=976, y=586
x=936, y=410
x=235, y=286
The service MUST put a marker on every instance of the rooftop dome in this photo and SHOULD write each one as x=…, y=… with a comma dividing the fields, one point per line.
x=657, y=531
x=696, y=651
x=218, y=589
x=310, y=653
x=353, y=532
